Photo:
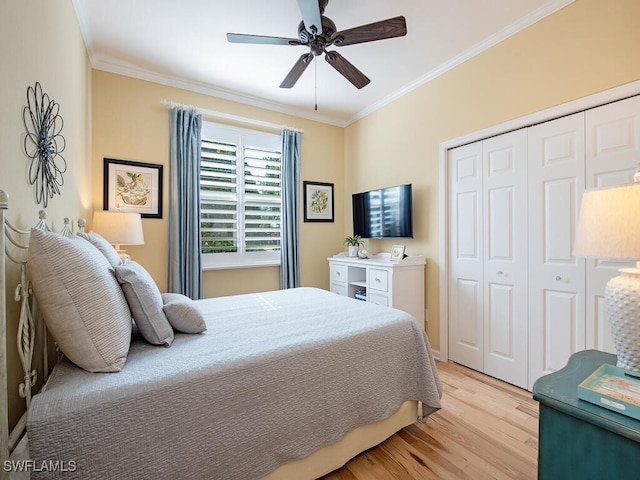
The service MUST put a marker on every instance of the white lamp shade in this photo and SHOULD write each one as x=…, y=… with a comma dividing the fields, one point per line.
x=609, y=223
x=119, y=228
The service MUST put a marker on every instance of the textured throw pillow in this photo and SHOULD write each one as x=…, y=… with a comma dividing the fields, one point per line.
x=101, y=244
x=81, y=301
x=145, y=302
x=182, y=313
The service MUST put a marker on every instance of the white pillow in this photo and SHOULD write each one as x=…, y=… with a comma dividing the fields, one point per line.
x=81, y=302
x=145, y=302
x=103, y=245
x=182, y=313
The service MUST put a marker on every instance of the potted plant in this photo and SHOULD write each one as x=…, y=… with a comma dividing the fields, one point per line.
x=353, y=242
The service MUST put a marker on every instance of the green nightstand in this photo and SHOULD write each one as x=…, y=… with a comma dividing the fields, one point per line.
x=578, y=439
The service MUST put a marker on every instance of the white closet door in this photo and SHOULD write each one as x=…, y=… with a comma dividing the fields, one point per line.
x=505, y=257
x=465, y=255
x=612, y=155
x=556, y=278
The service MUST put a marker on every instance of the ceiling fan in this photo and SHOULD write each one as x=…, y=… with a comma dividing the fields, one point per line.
x=319, y=33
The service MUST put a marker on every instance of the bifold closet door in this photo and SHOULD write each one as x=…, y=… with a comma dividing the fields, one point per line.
x=466, y=291
x=488, y=256
x=505, y=257
x=556, y=170
x=612, y=155
x=520, y=303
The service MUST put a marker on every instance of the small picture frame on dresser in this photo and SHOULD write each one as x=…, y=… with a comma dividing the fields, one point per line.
x=397, y=252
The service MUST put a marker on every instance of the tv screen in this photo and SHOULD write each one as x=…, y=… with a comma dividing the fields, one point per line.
x=383, y=213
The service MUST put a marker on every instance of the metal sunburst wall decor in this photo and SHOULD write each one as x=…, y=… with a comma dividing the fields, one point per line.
x=44, y=143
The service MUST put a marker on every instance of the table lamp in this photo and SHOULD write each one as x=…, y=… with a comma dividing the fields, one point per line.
x=119, y=228
x=609, y=227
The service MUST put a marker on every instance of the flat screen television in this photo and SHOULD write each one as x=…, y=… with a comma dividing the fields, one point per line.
x=383, y=213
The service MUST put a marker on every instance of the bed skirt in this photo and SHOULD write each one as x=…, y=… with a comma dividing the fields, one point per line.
x=332, y=457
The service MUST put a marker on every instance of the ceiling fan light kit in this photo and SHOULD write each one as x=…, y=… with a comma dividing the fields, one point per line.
x=318, y=33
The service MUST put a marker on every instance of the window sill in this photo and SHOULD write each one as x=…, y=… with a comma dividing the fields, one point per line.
x=240, y=265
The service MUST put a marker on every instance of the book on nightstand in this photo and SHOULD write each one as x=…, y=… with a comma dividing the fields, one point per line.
x=615, y=388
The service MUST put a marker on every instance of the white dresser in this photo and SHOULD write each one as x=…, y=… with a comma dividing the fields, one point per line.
x=397, y=284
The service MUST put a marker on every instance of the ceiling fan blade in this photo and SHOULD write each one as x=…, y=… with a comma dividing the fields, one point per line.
x=310, y=11
x=260, y=39
x=298, y=69
x=390, y=28
x=347, y=70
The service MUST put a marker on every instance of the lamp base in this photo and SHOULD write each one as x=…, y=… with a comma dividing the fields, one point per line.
x=123, y=253
x=622, y=298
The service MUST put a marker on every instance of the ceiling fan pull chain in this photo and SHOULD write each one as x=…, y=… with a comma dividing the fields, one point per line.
x=315, y=67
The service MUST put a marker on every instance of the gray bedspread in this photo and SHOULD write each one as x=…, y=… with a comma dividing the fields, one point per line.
x=276, y=376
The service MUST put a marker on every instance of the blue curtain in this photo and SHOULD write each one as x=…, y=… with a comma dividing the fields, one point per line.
x=185, y=260
x=289, y=263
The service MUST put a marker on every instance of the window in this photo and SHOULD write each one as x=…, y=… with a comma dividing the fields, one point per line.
x=240, y=201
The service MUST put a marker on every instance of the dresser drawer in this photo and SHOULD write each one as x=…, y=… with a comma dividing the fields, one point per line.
x=379, y=279
x=339, y=288
x=378, y=299
x=338, y=273
x=381, y=282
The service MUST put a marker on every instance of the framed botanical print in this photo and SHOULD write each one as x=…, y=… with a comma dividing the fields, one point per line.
x=318, y=201
x=133, y=187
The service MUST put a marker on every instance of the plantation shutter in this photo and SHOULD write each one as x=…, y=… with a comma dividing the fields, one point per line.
x=240, y=197
x=262, y=200
x=218, y=197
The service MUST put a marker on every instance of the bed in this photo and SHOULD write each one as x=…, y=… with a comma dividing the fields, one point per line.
x=283, y=384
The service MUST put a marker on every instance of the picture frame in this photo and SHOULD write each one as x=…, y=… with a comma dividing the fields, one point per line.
x=397, y=252
x=318, y=201
x=133, y=187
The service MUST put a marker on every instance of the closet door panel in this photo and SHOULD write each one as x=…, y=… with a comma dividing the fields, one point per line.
x=501, y=324
x=612, y=156
x=505, y=257
x=501, y=217
x=465, y=256
x=556, y=173
x=563, y=338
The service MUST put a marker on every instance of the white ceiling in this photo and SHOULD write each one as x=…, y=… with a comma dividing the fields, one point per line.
x=183, y=44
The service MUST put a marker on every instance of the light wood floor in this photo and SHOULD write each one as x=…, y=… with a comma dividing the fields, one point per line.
x=485, y=429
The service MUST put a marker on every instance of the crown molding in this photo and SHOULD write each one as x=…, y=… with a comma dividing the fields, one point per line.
x=207, y=89
x=85, y=31
x=487, y=43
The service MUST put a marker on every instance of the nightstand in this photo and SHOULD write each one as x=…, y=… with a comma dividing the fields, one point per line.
x=578, y=439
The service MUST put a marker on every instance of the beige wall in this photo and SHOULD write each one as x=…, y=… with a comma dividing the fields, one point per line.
x=40, y=42
x=587, y=47
x=584, y=48
x=130, y=123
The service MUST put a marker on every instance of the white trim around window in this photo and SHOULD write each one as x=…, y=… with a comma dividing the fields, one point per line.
x=240, y=197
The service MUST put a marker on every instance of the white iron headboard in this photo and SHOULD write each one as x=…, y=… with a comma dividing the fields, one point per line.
x=31, y=333
x=4, y=422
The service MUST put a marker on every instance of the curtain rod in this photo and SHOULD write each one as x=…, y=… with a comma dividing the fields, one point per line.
x=228, y=116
